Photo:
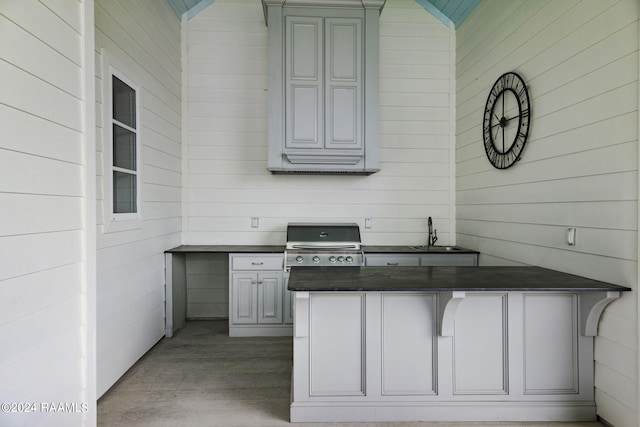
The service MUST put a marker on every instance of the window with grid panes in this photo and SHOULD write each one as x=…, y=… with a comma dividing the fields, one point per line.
x=124, y=148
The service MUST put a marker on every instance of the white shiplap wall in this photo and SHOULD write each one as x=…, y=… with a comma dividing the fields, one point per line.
x=143, y=40
x=579, y=168
x=227, y=182
x=42, y=211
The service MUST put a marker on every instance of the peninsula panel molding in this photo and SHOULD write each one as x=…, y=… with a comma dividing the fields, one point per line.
x=481, y=338
x=409, y=334
x=515, y=356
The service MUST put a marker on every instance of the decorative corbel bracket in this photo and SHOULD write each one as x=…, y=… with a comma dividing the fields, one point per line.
x=301, y=310
x=448, y=303
x=592, y=304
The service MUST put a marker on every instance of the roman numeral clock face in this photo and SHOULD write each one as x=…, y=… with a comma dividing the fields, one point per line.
x=506, y=120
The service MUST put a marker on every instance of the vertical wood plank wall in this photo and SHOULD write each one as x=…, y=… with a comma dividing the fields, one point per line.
x=145, y=36
x=579, y=168
x=226, y=178
x=41, y=209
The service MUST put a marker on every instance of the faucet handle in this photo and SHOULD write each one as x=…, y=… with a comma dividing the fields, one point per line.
x=435, y=237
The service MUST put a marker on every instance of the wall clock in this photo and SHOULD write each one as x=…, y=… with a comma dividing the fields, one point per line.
x=506, y=120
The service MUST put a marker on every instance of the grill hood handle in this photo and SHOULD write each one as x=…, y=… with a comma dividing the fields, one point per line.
x=313, y=247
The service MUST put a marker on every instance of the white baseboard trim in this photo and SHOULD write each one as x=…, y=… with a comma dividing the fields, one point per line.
x=442, y=411
x=261, y=331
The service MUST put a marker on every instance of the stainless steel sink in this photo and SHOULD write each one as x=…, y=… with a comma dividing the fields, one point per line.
x=426, y=248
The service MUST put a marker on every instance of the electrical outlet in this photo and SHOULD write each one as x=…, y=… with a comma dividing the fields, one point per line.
x=255, y=222
x=571, y=236
x=368, y=223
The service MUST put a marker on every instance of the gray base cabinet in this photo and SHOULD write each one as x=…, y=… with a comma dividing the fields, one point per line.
x=424, y=260
x=258, y=296
x=391, y=260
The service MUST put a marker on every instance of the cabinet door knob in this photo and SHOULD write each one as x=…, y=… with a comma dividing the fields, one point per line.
x=260, y=282
x=253, y=282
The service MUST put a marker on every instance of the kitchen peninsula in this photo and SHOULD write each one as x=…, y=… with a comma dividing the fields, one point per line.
x=444, y=344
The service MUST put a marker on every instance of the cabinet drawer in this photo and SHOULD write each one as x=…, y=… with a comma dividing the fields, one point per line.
x=239, y=262
x=392, y=260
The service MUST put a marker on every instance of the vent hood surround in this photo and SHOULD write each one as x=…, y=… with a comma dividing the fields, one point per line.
x=343, y=105
x=350, y=4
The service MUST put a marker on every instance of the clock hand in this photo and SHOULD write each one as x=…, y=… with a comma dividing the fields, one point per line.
x=496, y=137
x=503, y=98
x=500, y=122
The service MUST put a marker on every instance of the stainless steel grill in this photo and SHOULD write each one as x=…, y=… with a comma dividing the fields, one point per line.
x=314, y=245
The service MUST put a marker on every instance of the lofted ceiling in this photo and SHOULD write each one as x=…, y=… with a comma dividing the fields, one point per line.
x=190, y=7
x=450, y=11
x=447, y=11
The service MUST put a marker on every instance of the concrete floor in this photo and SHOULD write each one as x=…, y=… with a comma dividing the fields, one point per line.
x=202, y=377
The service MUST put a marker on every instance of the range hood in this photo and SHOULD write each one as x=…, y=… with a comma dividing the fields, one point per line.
x=323, y=86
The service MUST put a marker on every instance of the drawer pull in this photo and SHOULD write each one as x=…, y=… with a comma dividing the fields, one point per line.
x=257, y=263
x=393, y=263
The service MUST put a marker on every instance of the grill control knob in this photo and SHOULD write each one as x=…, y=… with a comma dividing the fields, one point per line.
x=340, y=258
x=316, y=259
x=299, y=259
x=332, y=259
x=349, y=259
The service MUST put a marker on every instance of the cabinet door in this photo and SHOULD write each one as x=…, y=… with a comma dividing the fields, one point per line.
x=269, y=298
x=304, y=82
x=244, y=298
x=343, y=74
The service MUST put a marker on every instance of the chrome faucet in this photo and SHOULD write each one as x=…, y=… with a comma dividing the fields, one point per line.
x=433, y=235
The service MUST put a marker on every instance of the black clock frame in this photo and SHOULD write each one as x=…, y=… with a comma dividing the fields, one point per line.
x=505, y=158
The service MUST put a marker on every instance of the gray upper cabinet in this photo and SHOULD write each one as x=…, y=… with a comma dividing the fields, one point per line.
x=323, y=86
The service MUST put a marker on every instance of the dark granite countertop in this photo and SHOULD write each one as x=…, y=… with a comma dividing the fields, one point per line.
x=367, y=249
x=470, y=279
x=228, y=249
x=280, y=248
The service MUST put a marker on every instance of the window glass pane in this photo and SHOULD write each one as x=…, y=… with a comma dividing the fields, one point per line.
x=124, y=148
x=124, y=103
x=124, y=192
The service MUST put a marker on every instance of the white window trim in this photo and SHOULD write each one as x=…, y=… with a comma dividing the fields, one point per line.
x=114, y=222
